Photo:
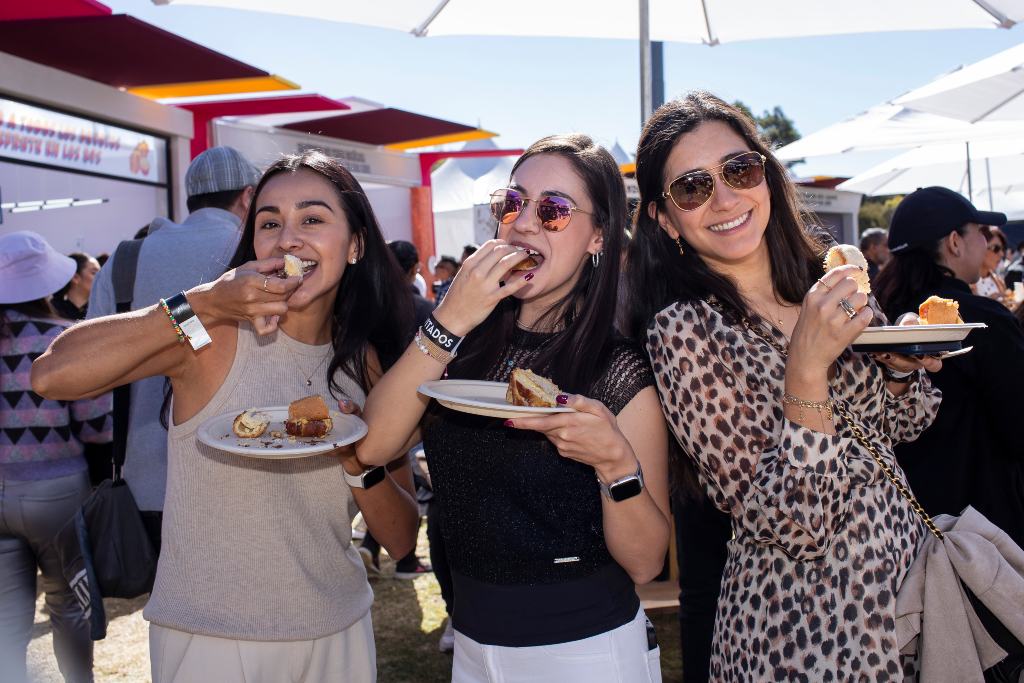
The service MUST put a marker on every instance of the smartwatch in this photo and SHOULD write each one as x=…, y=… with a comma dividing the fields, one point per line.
x=367, y=479
x=625, y=487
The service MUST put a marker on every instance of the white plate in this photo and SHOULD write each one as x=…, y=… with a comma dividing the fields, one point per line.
x=915, y=334
x=216, y=432
x=481, y=398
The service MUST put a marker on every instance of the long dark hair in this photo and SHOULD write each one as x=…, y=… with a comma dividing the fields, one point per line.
x=657, y=274
x=373, y=307
x=586, y=314
x=908, y=275
x=38, y=308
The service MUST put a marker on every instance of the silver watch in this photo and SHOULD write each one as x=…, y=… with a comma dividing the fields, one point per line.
x=367, y=479
x=624, y=488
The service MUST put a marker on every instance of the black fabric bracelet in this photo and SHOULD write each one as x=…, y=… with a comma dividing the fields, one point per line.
x=439, y=335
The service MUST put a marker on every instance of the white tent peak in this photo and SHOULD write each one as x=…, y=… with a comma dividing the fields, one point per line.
x=620, y=155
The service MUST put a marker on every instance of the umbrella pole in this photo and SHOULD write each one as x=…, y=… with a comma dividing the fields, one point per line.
x=970, y=185
x=988, y=180
x=646, y=82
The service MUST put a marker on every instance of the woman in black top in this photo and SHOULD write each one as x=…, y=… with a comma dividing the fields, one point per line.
x=544, y=565
x=72, y=301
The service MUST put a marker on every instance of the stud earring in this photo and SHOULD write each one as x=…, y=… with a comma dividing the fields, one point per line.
x=679, y=243
x=595, y=259
x=352, y=261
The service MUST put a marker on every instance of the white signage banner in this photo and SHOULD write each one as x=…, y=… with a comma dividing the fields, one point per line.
x=42, y=136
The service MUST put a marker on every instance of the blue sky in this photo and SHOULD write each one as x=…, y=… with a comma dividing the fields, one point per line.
x=525, y=88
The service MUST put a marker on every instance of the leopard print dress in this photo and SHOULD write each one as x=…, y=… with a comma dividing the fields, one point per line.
x=822, y=540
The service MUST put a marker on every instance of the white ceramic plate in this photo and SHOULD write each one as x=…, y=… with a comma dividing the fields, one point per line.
x=216, y=432
x=480, y=398
x=915, y=334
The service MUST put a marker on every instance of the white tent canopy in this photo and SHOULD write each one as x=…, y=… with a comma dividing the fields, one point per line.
x=890, y=126
x=993, y=164
x=461, y=190
x=688, y=21
x=989, y=90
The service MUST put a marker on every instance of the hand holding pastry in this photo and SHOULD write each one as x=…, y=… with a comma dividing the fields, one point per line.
x=590, y=435
x=482, y=282
x=834, y=313
x=250, y=292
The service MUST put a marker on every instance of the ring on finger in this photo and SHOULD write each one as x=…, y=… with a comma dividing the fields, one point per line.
x=825, y=284
x=266, y=279
x=848, y=308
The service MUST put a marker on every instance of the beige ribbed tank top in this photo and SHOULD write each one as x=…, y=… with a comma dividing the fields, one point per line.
x=259, y=549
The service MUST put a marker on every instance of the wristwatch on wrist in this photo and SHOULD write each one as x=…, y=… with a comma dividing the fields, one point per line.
x=367, y=479
x=624, y=488
x=895, y=377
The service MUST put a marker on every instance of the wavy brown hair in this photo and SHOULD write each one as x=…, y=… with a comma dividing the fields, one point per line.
x=658, y=275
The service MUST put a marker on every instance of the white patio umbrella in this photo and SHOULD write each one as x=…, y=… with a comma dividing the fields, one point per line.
x=989, y=90
x=1000, y=163
x=690, y=21
x=889, y=126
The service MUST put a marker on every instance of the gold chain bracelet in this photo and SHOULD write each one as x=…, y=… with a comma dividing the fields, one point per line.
x=824, y=408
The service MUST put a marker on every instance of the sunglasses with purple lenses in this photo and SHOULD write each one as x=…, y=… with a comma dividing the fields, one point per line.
x=554, y=213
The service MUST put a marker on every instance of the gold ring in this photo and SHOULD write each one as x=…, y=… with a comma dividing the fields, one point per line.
x=824, y=284
x=848, y=307
x=266, y=279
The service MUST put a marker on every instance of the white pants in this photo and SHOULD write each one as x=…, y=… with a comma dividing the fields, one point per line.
x=344, y=657
x=616, y=656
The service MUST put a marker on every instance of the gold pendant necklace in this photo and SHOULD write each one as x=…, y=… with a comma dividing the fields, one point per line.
x=309, y=377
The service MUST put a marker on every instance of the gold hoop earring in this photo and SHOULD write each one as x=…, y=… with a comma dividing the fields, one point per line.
x=679, y=243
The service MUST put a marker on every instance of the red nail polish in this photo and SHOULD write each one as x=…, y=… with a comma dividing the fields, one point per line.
x=528, y=277
x=510, y=423
x=561, y=399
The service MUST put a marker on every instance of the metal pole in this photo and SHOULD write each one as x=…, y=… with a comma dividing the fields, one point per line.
x=988, y=180
x=657, y=74
x=970, y=184
x=646, y=92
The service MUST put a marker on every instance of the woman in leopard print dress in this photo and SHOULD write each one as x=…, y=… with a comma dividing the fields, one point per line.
x=749, y=343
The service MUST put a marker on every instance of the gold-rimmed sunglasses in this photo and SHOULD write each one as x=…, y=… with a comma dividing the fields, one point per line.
x=553, y=212
x=694, y=189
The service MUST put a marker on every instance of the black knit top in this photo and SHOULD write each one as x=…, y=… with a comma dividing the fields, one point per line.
x=522, y=525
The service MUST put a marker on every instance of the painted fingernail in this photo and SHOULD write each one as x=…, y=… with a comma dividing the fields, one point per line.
x=510, y=423
x=562, y=399
x=528, y=277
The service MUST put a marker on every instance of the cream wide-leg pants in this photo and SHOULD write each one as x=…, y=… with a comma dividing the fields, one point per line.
x=348, y=656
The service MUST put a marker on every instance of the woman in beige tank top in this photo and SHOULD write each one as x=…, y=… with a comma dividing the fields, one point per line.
x=258, y=579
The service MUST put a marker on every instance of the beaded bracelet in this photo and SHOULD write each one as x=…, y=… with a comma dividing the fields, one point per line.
x=824, y=408
x=174, y=323
x=428, y=348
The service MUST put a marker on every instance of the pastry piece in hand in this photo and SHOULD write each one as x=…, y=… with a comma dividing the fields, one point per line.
x=292, y=267
x=526, y=388
x=531, y=259
x=938, y=311
x=308, y=417
x=250, y=424
x=847, y=254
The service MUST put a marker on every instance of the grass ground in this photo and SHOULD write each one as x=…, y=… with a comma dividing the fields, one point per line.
x=408, y=617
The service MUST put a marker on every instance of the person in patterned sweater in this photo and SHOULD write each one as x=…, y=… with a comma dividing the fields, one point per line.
x=43, y=472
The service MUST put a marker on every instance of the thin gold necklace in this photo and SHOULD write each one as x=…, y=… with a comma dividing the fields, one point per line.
x=309, y=377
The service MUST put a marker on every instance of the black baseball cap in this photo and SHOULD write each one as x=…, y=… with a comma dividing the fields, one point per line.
x=930, y=213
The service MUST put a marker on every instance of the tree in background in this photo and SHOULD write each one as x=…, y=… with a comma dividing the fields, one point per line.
x=876, y=212
x=774, y=125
